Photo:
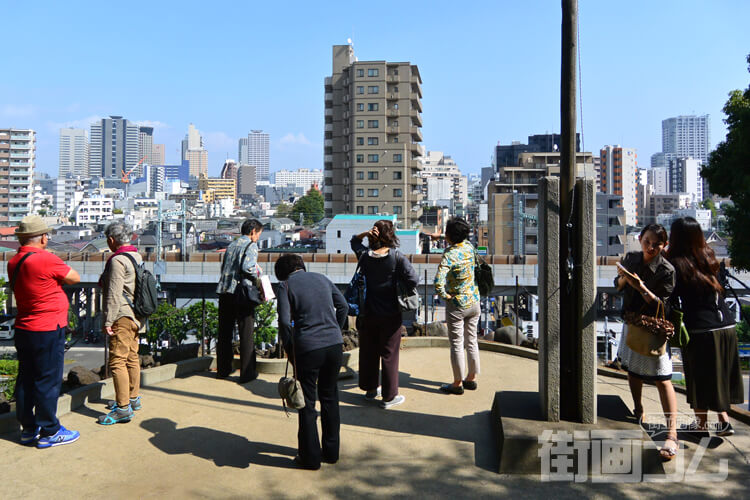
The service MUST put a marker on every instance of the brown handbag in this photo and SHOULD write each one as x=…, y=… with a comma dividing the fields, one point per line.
x=648, y=335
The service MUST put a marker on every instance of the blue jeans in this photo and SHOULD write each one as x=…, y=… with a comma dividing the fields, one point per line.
x=40, y=368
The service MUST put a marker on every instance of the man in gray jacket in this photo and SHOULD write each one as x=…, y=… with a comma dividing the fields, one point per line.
x=120, y=323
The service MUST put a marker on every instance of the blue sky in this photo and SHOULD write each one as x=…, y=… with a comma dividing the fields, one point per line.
x=490, y=69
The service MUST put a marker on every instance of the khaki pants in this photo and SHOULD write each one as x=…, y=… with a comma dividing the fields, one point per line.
x=123, y=360
x=462, y=332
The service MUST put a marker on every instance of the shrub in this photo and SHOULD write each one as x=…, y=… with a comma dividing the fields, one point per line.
x=265, y=314
x=9, y=367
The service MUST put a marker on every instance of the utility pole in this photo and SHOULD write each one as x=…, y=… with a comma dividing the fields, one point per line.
x=569, y=337
x=515, y=306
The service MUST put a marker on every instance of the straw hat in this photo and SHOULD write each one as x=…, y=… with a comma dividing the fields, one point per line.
x=31, y=225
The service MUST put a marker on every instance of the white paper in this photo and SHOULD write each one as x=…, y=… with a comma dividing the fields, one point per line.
x=265, y=283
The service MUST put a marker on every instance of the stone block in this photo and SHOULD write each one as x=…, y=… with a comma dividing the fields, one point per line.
x=549, y=297
x=585, y=278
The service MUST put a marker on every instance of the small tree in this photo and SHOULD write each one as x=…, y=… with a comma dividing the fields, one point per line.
x=194, y=319
x=310, y=206
x=265, y=314
x=166, y=319
x=743, y=329
x=283, y=210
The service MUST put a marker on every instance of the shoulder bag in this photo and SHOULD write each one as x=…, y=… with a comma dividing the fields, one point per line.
x=407, y=298
x=290, y=389
x=648, y=335
x=483, y=275
x=246, y=294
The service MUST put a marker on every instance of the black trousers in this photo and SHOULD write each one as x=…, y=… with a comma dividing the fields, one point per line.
x=229, y=314
x=40, y=368
x=319, y=369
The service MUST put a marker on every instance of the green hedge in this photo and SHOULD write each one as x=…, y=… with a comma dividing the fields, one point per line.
x=9, y=367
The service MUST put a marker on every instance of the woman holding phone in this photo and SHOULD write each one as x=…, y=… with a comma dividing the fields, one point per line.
x=648, y=279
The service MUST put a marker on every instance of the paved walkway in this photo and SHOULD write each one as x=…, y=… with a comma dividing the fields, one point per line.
x=201, y=437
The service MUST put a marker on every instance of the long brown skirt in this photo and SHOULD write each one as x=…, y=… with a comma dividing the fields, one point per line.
x=712, y=370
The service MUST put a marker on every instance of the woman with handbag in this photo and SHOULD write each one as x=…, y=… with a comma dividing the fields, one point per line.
x=711, y=357
x=455, y=283
x=379, y=324
x=647, y=279
x=312, y=313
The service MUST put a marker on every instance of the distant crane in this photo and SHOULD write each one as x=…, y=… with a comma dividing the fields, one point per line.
x=126, y=175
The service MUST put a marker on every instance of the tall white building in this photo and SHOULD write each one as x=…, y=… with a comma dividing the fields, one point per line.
x=74, y=152
x=242, y=156
x=303, y=177
x=658, y=178
x=619, y=176
x=194, y=152
x=442, y=179
x=113, y=149
x=145, y=149
x=687, y=136
x=257, y=154
x=17, y=161
x=684, y=177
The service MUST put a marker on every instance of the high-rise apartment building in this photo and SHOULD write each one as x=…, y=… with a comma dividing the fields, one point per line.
x=685, y=177
x=619, y=175
x=253, y=150
x=246, y=182
x=687, y=136
x=658, y=178
x=17, y=160
x=157, y=154
x=74, y=152
x=372, y=147
x=145, y=149
x=194, y=152
x=303, y=177
x=443, y=181
x=113, y=149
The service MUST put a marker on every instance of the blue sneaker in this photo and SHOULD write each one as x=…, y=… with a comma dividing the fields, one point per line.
x=62, y=436
x=30, y=436
x=117, y=416
x=135, y=404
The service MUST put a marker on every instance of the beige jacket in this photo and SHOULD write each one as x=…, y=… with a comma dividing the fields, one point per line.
x=120, y=277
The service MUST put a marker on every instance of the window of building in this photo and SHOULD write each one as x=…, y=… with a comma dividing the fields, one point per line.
x=360, y=90
x=395, y=71
x=372, y=124
x=397, y=176
x=373, y=72
x=360, y=106
x=360, y=175
x=338, y=233
x=372, y=141
x=395, y=106
x=360, y=159
x=398, y=193
x=372, y=210
x=360, y=124
x=373, y=158
x=373, y=89
x=360, y=210
x=360, y=192
x=360, y=72
x=360, y=141
x=395, y=90
x=395, y=139
x=372, y=175
x=397, y=158
x=373, y=192
x=372, y=106
x=396, y=209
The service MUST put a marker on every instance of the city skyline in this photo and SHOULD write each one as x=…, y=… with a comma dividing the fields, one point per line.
x=510, y=76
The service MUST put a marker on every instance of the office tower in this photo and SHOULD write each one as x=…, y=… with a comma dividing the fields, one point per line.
x=145, y=149
x=684, y=177
x=443, y=183
x=253, y=150
x=194, y=153
x=372, y=133
x=246, y=183
x=242, y=156
x=157, y=154
x=619, y=175
x=113, y=149
x=74, y=152
x=229, y=170
x=303, y=177
x=17, y=159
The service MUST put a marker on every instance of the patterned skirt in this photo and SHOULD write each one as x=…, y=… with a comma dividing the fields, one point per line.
x=643, y=367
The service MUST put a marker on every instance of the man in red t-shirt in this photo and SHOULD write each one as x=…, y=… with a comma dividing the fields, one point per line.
x=36, y=279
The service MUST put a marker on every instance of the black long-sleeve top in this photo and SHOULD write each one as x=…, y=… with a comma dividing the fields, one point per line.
x=380, y=278
x=703, y=308
x=317, y=308
x=658, y=276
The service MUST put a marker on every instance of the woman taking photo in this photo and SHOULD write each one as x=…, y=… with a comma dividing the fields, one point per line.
x=711, y=358
x=652, y=284
x=312, y=312
x=379, y=324
x=455, y=283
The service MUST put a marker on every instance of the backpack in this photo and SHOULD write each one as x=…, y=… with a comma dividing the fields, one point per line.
x=356, y=292
x=483, y=275
x=146, y=294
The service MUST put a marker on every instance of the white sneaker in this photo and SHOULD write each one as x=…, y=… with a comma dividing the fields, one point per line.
x=393, y=402
x=372, y=395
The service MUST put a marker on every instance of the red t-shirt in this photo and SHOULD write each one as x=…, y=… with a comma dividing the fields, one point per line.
x=42, y=303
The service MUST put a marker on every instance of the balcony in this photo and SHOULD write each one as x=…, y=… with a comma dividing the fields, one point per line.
x=328, y=143
x=392, y=79
x=416, y=118
x=416, y=103
x=19, y=182
x=393, y=129
x=416, y=133
x=392, y=112
x=18, y=173
x=4, y=137
x=329, y=127
x=393, y=96
x=329, y=96
x=329, y=112
x=23, y=209
x=25, y=146
x=19, y=155
x=416, y=86
x=16, y=137
x=326, y=158
x=328, y=80
x=346, y=97
x=417, y=148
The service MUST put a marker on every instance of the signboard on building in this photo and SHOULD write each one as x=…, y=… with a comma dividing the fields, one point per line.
x=482, y=250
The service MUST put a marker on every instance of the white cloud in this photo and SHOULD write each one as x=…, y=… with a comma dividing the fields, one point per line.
x=219, y=142
x=151, y=123
x=18, y=111
x=292, y=139
x=84, y=123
